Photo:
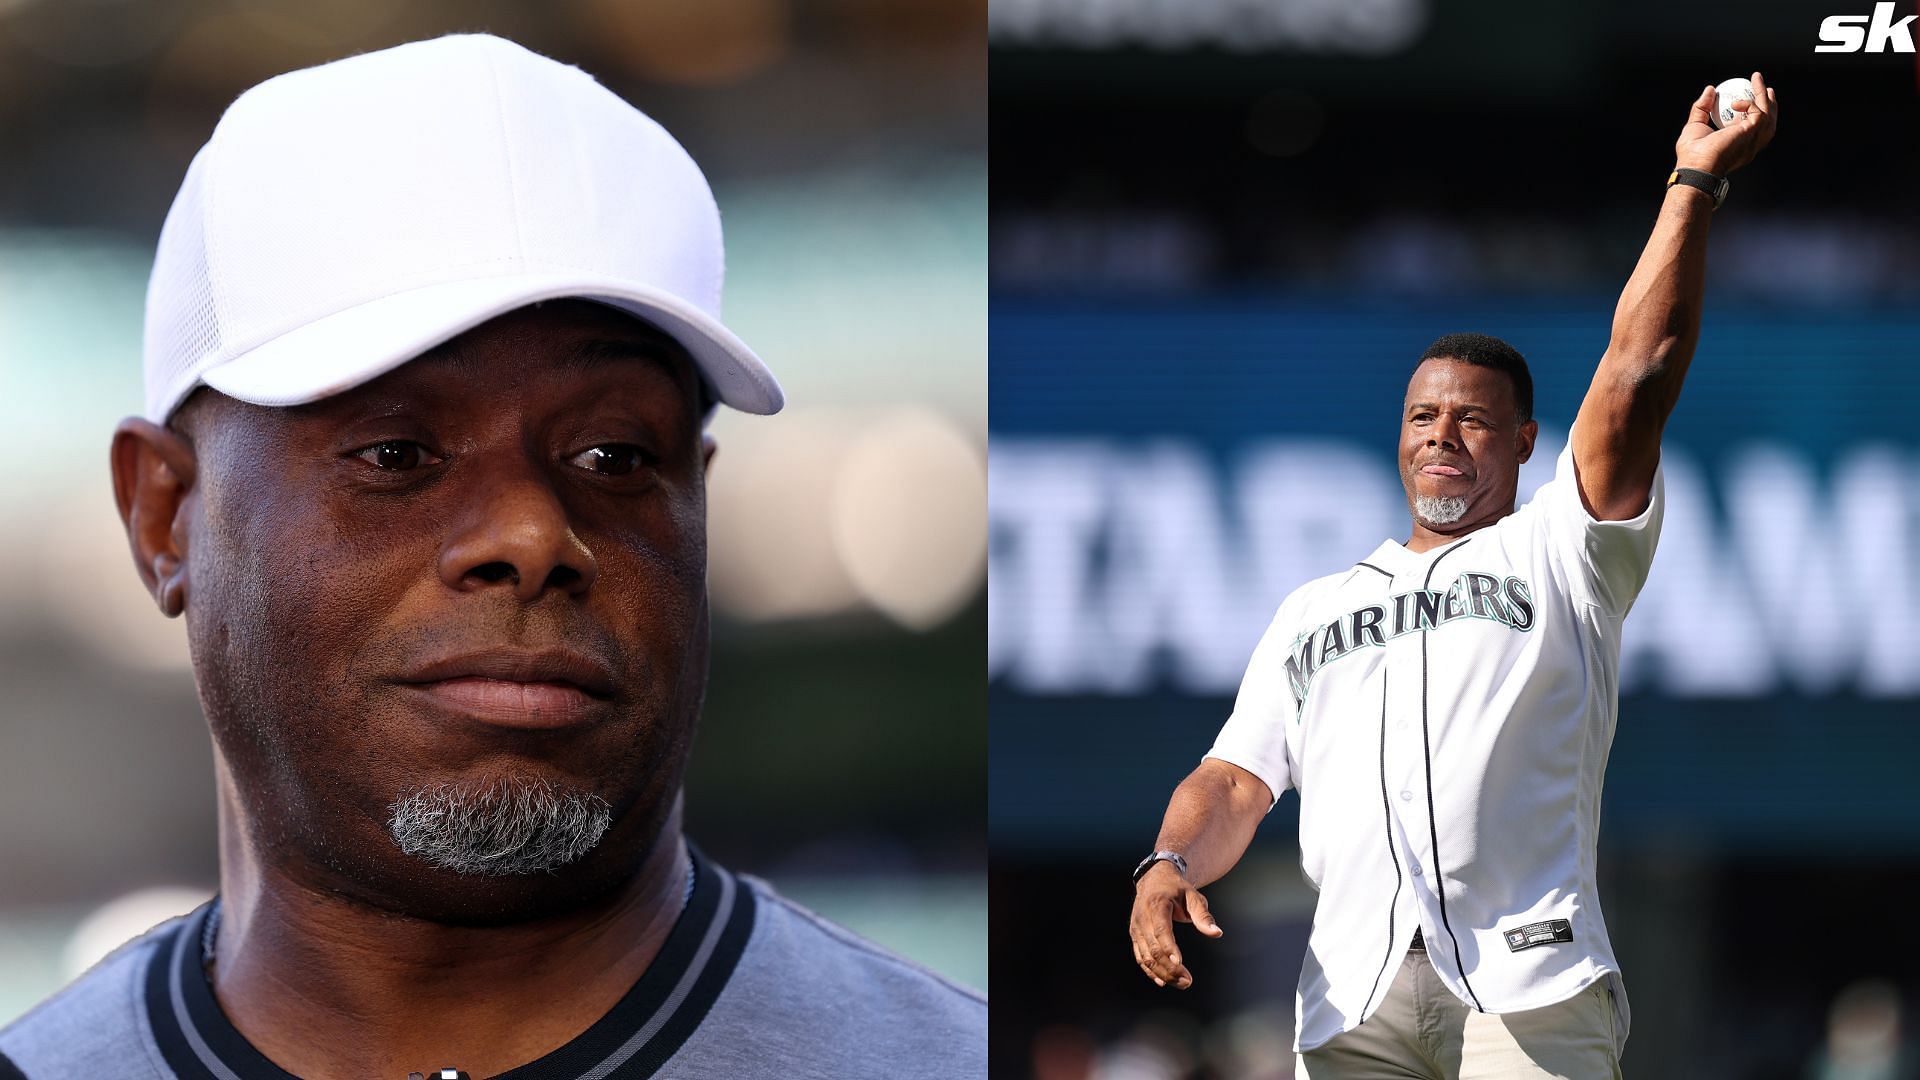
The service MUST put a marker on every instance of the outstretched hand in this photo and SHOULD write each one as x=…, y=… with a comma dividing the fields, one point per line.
x=1722, y=151
x=1163, y=897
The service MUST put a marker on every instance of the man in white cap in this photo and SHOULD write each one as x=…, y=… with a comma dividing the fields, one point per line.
x=431, y=339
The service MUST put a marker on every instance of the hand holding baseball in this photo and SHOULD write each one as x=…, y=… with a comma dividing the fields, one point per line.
x=1721, y=152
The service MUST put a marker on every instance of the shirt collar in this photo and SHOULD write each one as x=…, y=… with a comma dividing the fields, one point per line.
x=633, y=1039
x=1394, y=558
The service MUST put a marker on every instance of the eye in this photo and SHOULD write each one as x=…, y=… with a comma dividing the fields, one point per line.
x=612, y=459
x=397, y=455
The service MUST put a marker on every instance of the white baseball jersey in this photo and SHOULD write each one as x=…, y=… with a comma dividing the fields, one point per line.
x=1446, y=717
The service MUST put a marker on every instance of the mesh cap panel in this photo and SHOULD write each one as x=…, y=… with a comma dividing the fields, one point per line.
x=182, y=328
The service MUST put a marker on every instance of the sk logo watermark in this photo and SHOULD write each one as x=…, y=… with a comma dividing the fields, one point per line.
x=1870, y=33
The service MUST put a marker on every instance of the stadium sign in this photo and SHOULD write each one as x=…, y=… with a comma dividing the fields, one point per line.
x=1123, y=567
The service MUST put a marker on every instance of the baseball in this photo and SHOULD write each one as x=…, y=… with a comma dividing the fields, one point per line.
x=1725, y=95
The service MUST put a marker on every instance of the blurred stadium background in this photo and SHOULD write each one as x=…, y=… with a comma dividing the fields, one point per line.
x=844, y=741
x=1221, y=231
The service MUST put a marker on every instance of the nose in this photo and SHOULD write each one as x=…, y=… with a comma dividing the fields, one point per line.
x=1444, y=432
x=515, y=531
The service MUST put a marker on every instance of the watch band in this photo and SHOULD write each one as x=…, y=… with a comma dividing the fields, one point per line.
x=1179, y=863
x=1715, y=186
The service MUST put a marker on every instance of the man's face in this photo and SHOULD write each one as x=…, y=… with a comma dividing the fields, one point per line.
x=1461, y=445
x=477, y=578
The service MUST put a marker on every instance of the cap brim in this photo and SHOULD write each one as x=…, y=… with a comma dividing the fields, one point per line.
x=363, y=342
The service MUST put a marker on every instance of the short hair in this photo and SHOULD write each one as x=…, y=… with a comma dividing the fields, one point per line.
x=1487, y=351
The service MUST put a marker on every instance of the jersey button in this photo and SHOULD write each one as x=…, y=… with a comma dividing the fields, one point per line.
x=1414, y=867
x=1406, y=795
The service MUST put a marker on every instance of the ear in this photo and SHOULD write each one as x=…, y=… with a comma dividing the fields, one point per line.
x=707, y=448
x=152, y=475
x=1527, y=433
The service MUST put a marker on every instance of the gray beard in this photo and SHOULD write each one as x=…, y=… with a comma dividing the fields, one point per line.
x=1439, y=509
x=510, y=827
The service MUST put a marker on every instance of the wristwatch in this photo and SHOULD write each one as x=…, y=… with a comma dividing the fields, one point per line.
x=1179, y=863
x=1715, y=186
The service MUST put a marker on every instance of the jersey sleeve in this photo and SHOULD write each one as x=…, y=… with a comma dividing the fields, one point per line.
x=1608, y=560
x=1255, y=736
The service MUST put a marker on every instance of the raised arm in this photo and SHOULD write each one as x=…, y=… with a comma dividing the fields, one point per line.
x=1210, y=821
x=1616, y=439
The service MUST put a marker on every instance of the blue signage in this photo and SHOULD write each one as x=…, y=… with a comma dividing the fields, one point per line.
x=1163, y=474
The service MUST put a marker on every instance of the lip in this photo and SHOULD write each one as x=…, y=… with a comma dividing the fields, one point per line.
x=1436, y=468
x=533, y=689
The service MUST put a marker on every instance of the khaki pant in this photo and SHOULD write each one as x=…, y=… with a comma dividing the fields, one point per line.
x=1423, y=1032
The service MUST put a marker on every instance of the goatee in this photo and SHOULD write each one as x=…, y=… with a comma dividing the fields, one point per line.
x=509, y=827
x=1439, y=509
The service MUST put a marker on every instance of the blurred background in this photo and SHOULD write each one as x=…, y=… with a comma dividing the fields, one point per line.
x=844, y=742
x=1222, y=231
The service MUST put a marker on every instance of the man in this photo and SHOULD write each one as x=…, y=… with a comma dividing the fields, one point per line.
x=432, y=337
x=1445, y=706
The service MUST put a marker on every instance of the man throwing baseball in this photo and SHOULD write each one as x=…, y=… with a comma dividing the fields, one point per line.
x=1446, y=705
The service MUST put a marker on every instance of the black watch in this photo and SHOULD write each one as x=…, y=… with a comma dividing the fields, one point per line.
x=1174, y=857
x=1715, y=186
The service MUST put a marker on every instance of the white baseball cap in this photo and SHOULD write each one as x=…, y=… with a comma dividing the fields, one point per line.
x=346, y=218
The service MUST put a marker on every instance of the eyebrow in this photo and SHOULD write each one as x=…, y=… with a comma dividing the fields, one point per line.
x=1435, y=405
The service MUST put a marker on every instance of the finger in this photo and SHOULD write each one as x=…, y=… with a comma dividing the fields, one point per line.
x=1761, y=109
x=1167, y=960
x=1144, y=948
x=1144, y=958
x=1201, y=914
x=1159, y=945
x=1702, y=110
x=1158, y=969
x=1169, y=965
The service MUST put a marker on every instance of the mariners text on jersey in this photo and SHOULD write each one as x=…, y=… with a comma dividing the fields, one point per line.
x=1478, y=596
x=1446, y=717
